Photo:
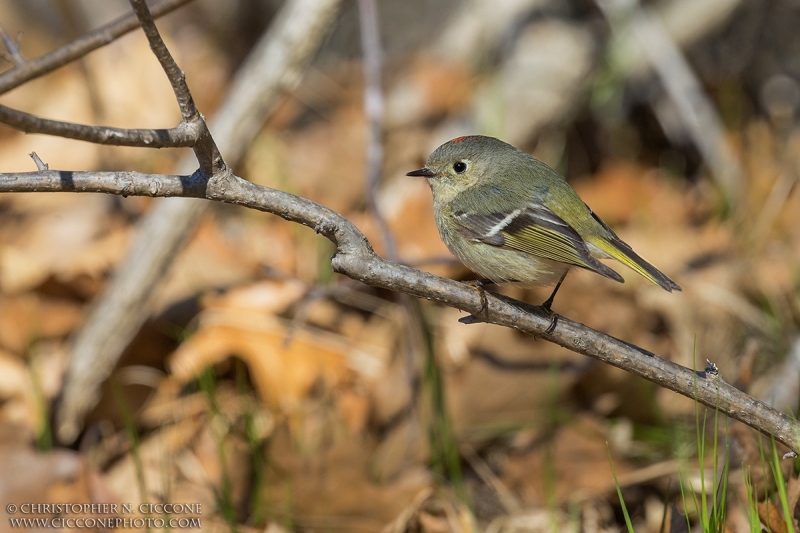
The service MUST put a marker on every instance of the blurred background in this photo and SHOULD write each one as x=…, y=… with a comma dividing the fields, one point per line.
x=282, y=397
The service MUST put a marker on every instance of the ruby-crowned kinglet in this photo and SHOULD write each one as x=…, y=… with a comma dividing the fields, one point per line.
x=511, y=218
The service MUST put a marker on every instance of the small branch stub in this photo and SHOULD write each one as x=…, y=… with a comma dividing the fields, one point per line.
x=40, y=165
x=14, y=54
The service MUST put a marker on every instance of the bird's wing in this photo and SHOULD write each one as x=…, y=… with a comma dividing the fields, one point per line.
x=533, y=229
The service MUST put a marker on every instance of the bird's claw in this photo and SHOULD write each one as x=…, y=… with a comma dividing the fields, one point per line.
x=553, y=318
x=478, y=284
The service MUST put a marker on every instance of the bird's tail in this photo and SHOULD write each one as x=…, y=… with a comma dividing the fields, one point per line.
x=619, y=250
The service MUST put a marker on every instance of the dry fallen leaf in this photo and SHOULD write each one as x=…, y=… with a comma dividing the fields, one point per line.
x=282, y=372
x=772, y=517
x=27, y=318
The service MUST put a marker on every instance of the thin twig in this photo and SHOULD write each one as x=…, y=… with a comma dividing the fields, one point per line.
x=177, y=78
x=371, y=51
x=34, y=68
x=14, y=54
x=205, y=149
x=185, y=134
x=356, y=259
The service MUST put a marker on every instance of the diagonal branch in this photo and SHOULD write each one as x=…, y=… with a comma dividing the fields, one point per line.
x=356, y=259
x=205, y=149
x=175, y=75
x=34, y=68
x=184, y=135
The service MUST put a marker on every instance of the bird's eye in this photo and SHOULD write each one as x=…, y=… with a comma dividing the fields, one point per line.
x=460, y=167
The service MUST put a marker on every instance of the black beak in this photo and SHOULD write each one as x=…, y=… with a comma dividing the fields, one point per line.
x=425, y=172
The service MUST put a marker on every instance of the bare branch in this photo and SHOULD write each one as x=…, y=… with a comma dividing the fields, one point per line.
x=34, y=68
x=356, y=259
x=184, y=135
x=121, y=183
x=275, y=65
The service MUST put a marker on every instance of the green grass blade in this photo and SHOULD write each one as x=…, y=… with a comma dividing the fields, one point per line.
x=628, y=523
x=683, y=499
x=752, y=502
x=781, y=487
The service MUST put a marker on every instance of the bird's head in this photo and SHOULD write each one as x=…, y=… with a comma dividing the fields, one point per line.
x=464, y=162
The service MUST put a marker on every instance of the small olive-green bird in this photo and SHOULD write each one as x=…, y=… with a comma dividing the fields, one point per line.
x=511, y=218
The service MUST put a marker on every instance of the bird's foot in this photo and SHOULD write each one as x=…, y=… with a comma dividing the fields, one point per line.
x=548, y=304
x=553, y=317
x=479, y=285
